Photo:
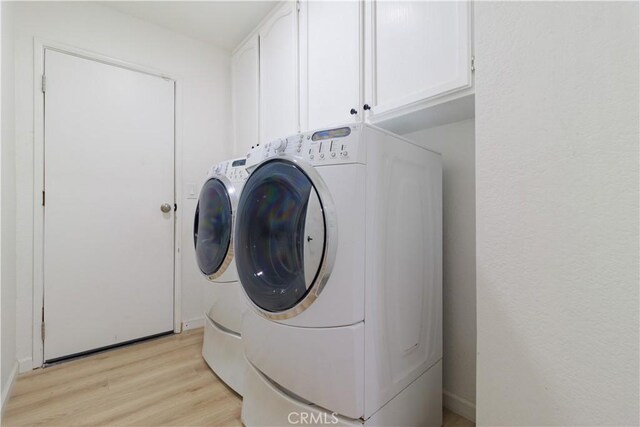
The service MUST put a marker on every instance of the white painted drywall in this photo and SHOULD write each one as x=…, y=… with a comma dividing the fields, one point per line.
x=221, y=23
x=557, y=122
x=456, y=142
x=204, y=73
x=7, y=205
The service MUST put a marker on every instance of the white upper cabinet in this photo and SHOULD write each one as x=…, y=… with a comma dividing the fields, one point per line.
x=402, y=65
x=279, y=74
x=245, y=92
x=331, y=53
x=417, y=51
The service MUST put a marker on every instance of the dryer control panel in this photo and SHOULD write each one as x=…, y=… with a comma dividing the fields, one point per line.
x=235, y=169
x=323, y=147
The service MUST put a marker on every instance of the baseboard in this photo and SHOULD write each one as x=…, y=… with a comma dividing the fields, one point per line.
x=25, y=364
x=193, y=324
x=459, y=405
x=8, y=386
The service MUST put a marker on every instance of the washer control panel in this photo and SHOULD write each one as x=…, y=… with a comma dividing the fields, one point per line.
x=235, y=170
x=322, y=147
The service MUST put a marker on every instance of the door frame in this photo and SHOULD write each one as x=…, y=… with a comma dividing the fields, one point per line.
x=39, y=47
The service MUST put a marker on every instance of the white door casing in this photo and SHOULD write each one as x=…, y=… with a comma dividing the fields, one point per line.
x=109, y=166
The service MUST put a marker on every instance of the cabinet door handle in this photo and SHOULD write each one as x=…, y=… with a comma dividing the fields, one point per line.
x=353, y=111
x=366, y=107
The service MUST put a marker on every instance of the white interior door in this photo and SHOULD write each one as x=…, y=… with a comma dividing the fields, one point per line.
x=109, y=166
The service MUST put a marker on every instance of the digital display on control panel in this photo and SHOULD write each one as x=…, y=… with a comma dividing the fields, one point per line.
x=241, y=162
x=331, y=133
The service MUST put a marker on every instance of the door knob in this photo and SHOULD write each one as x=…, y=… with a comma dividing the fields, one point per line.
x=366, y=107
x=165, y=207
x=353, y=111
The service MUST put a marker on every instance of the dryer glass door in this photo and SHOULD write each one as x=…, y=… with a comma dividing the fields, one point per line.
x=212, y=227
x=280, y=236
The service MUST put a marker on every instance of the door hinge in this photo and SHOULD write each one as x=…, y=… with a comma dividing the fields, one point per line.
x=298, y=5
x=473, y=63
x=44, y=83
x=42, y=325
x=43, y=197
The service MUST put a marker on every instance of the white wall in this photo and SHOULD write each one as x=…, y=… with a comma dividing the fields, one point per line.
x=557, y=122
x=456, y=142
x=7, y=204
x=204, y=73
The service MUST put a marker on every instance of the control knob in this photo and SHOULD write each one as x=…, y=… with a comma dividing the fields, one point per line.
x=279, y=145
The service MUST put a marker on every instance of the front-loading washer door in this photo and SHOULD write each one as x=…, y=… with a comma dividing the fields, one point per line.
x=285, y=237
x=212, y=228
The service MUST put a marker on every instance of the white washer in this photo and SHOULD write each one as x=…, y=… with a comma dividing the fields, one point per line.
x=213, y=240
x=339, y=252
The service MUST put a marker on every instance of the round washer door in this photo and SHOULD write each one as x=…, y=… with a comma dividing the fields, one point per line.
x=212, y=228
x=285, y=237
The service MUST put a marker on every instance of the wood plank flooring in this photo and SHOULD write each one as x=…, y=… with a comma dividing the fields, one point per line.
x=162, y=382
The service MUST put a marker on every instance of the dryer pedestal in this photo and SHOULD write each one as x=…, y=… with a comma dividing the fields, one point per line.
x=222, y=350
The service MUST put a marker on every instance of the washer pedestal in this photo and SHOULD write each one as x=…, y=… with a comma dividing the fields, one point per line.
x=267, y=404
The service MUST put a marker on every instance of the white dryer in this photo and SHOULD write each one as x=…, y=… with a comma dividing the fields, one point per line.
x=339, y=252
x=224, y=302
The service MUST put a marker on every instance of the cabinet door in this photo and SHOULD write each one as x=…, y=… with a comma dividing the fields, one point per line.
x=419, y=50
x=279, y=74
x=331, y=48
x=245, y=87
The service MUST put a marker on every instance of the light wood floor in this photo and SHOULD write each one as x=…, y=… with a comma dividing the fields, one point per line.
x=163, y=382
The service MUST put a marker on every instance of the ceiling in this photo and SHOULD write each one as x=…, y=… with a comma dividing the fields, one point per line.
x=222, y=23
